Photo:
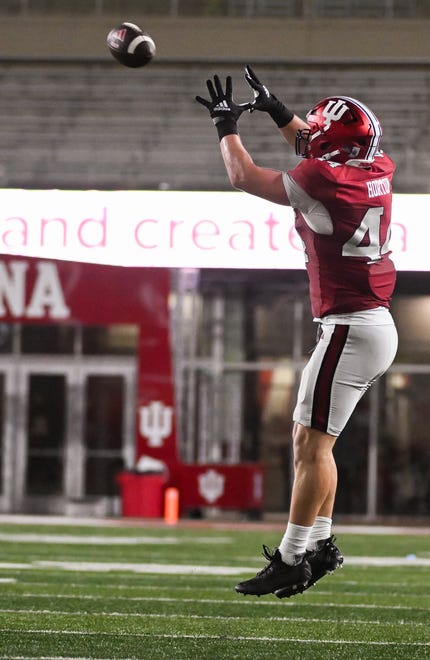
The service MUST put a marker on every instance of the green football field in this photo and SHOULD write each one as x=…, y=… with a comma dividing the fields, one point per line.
x=153, y=591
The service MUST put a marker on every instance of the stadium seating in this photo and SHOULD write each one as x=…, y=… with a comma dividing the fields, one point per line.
x=244, y=8
x=85, y=126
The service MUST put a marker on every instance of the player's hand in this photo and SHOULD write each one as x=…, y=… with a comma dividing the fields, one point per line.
x=266, y=101
x=263, y=99
x=223, y=110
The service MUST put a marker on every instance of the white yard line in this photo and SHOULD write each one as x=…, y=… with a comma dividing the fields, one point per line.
x=152, y=615
x=383, y=530
x=218, y=601
x=221, y=638
x=220, y=589
x=154, y=523
x=104, y=567
x=73, y=539
x=192, y=569
x=387, y=561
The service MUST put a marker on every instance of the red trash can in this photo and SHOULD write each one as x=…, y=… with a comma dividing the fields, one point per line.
x=142, y=495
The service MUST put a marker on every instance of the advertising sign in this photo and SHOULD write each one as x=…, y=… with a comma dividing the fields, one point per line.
x=179, y=229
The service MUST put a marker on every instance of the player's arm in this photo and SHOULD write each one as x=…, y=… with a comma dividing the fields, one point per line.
x=244, y=174
x=289, y=131
x=287, y=122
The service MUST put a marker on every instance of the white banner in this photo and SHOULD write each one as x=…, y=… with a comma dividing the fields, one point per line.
x=180, y=229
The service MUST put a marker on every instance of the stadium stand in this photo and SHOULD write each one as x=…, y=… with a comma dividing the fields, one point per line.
x=88, y=125
x=245, y=8
x=71, y=117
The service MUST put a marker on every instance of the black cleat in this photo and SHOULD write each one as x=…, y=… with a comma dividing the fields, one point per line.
x=325, y=559
x=278, y=577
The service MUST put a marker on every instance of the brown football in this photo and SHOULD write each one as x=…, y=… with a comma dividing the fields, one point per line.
x=131, y=45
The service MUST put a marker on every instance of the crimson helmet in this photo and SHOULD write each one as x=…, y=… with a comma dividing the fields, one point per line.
x=340, y=129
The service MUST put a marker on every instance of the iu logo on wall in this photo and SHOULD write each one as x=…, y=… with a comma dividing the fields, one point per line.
x=155, y=422
x=211, y=485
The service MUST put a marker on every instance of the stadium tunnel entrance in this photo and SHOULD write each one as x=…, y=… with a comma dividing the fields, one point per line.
x=68, y=428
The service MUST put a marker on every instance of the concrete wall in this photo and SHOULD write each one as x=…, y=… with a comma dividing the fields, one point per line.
x=226, y=39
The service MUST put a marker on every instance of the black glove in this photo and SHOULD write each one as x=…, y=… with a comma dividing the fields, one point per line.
x=267, y=102
x=222, y=109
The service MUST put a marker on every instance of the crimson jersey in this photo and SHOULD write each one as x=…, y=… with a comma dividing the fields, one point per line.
x=343, y=215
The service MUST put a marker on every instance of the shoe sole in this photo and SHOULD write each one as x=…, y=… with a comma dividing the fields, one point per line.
x=292, y=590
x=250, y=593
x=282, y=592
x=295, y=589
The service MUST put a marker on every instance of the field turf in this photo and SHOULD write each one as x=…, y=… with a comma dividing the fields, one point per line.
x=157, y=592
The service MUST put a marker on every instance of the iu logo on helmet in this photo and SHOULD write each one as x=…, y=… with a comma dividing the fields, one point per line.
x=333, y=111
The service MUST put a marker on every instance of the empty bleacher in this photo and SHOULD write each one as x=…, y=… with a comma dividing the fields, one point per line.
x=313, y=9
x=97, y=125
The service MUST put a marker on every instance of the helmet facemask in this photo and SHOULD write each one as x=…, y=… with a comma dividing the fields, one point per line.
x=302, y=141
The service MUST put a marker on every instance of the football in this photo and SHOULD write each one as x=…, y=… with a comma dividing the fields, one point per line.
x=131, y=45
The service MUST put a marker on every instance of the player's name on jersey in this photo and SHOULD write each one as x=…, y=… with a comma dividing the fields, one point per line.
x=378, y=187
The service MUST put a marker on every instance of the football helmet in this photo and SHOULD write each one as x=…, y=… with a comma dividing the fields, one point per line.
x=340, y=129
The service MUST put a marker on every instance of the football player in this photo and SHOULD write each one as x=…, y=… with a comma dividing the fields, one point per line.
x=341, y=193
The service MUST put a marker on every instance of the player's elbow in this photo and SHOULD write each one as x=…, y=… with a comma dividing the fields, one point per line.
x=238, y=180
x=242, y=176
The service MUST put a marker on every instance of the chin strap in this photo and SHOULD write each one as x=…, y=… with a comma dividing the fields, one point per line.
x=359, y=162
x=330, y=155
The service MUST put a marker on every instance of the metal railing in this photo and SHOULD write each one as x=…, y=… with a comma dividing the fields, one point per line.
x=305, y=9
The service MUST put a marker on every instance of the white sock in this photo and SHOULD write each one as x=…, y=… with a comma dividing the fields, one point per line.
x=321, y=529
x=293, y=542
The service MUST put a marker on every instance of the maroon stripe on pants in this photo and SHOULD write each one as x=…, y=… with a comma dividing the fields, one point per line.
x=322, y=393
